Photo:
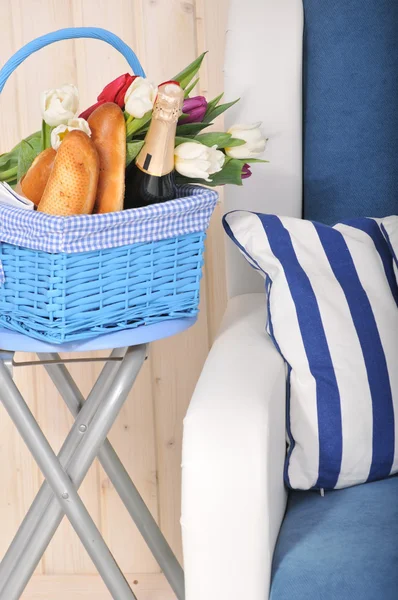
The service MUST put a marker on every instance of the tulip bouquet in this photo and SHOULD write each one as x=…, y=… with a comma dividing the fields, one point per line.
x=209, y=158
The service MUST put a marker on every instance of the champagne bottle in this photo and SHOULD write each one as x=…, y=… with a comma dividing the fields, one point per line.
x=150, y=178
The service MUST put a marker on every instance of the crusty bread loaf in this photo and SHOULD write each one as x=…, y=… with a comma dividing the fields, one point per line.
x=72, y=185
x=35, y=180
x=108, y=132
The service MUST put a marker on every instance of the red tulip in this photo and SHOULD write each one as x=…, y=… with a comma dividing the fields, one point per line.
x=246, y=171
x=113, y=92
x=195, y=109
x=86, y=113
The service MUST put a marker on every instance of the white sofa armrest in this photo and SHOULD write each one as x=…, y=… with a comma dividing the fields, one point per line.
x=233, y=497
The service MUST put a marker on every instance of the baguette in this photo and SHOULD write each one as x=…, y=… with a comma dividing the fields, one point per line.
x=108, y=132
x=34, y=182
x=72, y=185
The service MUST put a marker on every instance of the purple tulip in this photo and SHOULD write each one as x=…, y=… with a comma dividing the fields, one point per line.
x=195, y=109
x=246, y=171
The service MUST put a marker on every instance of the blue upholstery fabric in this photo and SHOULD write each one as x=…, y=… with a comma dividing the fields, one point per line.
x=340, y=547
x=350, y=109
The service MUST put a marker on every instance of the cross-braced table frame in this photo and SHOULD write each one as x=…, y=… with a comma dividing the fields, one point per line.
x=58, y=495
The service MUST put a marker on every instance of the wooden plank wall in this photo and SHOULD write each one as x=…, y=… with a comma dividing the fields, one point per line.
x=167, y=35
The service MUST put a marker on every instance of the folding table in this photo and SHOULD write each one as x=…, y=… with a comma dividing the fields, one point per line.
x=94, y=417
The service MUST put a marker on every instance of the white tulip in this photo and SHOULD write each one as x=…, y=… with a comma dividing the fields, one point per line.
x=58, y=134
x=217, y=160
x=140, y=97
x=198, y=161
x=59, y=105
x=251, y=134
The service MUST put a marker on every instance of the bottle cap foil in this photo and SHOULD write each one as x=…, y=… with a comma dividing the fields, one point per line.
x=168, y=104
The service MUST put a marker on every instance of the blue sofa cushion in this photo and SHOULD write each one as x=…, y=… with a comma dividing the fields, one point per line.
x=350, y=109
x=343, y=546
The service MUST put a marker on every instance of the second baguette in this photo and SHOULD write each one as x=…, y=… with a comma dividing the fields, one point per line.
x=108, y=132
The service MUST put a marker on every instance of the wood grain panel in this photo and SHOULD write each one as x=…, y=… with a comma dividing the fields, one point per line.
x=51, y=66
x=91, y=587
x=211, y=25
x=98, y=63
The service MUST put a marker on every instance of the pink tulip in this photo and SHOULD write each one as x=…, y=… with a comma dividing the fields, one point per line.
x=195, y=109
x=246, y=171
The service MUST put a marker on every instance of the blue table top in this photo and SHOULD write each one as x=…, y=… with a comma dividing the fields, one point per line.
x=18, y=342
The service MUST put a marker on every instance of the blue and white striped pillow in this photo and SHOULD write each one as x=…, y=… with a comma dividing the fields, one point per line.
x=333, y=315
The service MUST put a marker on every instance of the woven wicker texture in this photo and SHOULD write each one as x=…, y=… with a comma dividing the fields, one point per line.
x=66, y=297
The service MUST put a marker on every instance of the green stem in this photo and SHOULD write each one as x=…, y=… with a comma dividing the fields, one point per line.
x=45, y=135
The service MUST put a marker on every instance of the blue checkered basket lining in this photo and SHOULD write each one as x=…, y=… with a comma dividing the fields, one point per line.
x=71, y=278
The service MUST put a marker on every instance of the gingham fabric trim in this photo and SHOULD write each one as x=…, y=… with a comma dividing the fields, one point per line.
x=189, y=213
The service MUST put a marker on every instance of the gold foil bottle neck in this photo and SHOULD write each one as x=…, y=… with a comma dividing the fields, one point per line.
x=168, y=105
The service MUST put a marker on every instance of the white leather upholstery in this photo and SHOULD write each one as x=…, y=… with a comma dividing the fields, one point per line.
x=234, y=446
x=263, y=67
x=234, y=432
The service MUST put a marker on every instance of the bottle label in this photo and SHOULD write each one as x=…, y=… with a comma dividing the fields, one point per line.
x=147, y=161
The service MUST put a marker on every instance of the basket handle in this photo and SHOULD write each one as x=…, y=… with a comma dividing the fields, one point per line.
x=67, y=34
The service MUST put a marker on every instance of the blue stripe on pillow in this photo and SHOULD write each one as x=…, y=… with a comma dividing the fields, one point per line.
x=346, y=274
x=316, y=348
x=372, y=228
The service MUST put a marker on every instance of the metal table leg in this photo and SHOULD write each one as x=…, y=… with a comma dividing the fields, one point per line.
x=21, y=541
x=67, y=499
x=119, y=477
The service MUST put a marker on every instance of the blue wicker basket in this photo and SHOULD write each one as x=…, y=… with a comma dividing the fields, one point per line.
x=72, y=278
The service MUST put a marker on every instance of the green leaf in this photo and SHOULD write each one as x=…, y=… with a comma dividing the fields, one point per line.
x=214, y=138
x=10, y=175
x=181, y=140
x=45, y=135
x=27, y=154
x=186, y=75
x=9, y=160
x=235, y=142
x=220, y=139
x=189, y=89
x=136, y=125
x=35, y=141
x=218, y=110
x=132, y=150
x=213, y=103
x=6, y=160
x=251, y=161
x=191, y=128
x=231, y=173
x=182, y=118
